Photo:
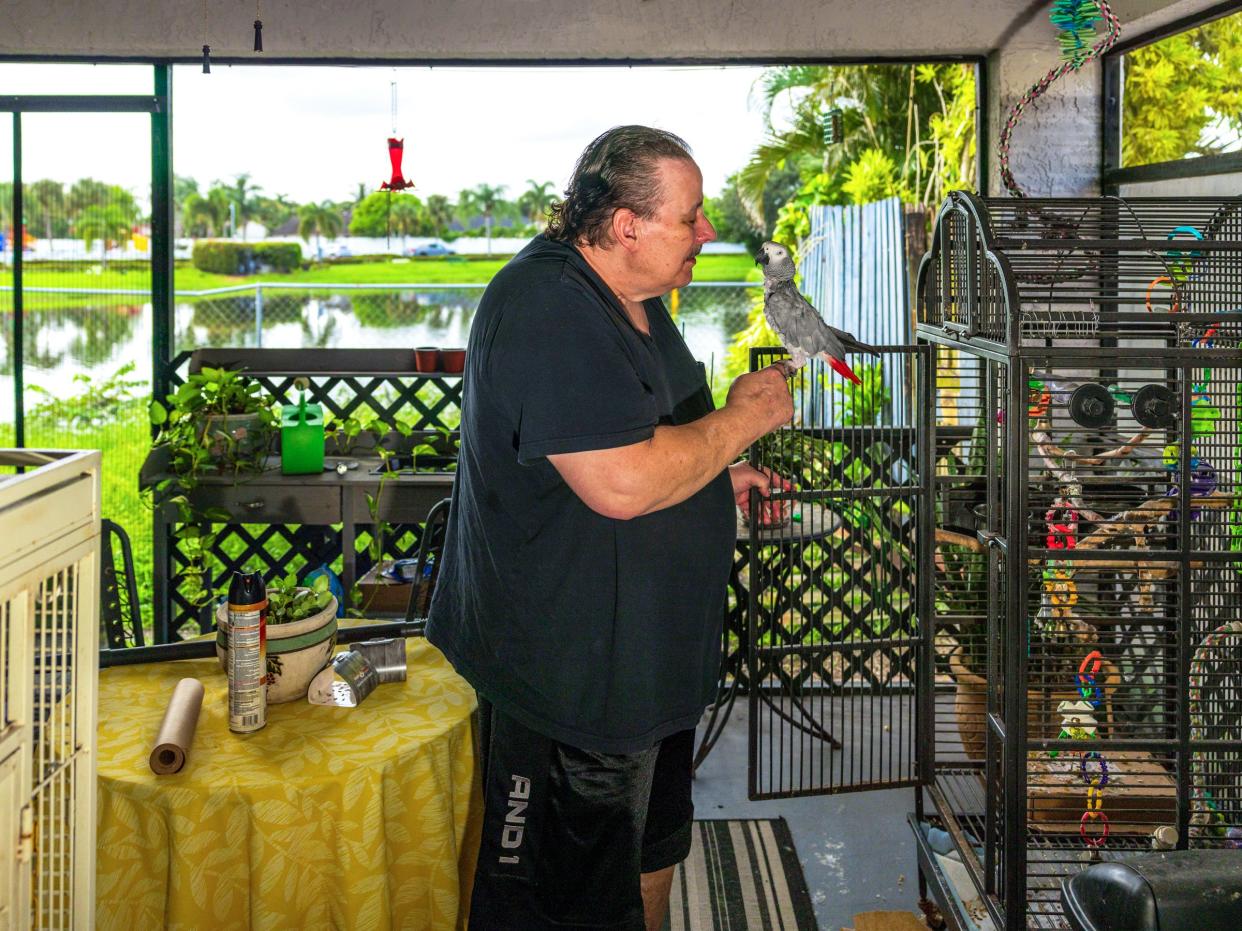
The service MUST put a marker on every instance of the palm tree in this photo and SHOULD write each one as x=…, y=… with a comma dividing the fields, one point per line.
x=439, y=213
x=406, y=217
x=483, y=198
x=912, y=114
x=535, y=200
x=105, y=222
x=243, y=194
x=48, y=198
x=361, y=194
x=317, y=220
x=206, y=216
x=183, y=187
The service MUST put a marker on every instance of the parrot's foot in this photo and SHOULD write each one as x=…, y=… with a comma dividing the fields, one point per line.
x=797, y=358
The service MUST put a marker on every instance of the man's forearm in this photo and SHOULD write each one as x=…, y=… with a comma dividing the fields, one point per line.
x=681, y=460
x=657, y=473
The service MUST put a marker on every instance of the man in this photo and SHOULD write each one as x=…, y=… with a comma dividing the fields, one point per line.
x=590, y=537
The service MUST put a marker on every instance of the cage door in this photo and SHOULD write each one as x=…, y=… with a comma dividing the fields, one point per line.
x=834, y=621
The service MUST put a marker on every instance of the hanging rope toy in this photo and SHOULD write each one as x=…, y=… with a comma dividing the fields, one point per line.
x=1218, y=648
x=1076, y=20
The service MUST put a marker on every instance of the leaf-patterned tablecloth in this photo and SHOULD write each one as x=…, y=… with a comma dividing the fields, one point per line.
x=328, y=817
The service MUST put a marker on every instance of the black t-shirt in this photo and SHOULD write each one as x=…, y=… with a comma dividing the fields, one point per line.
x=600, y=633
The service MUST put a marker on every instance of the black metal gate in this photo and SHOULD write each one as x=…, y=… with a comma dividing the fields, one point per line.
x=839, y=584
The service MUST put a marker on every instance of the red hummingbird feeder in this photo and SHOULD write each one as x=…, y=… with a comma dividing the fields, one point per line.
x=396, y=150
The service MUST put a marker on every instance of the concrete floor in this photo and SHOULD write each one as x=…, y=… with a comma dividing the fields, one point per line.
x=856, y=849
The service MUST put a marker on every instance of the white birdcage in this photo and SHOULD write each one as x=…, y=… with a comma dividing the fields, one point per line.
x=49, y=641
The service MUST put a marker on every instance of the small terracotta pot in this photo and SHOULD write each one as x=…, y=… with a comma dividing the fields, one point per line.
x=426, y=359
x=453, y=361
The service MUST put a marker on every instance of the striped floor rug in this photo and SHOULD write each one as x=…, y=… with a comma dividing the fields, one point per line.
x=741, y=876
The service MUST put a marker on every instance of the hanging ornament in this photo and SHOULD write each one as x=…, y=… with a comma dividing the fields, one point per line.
x=206, y=47
x=830, y=123
x=258, y=28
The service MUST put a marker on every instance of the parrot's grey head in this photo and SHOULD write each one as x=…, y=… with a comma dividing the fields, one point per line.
x=776, y=261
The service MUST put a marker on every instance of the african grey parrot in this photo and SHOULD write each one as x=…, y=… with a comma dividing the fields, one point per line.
x=796, y=322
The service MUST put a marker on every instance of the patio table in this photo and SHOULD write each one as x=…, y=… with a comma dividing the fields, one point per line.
x=328, y=817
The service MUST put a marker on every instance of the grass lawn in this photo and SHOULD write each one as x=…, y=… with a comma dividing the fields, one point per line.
x=436, y=270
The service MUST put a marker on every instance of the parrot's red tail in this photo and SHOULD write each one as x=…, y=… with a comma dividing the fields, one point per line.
x=842, y=369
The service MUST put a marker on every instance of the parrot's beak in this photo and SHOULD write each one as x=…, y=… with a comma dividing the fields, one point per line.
x=761, y=258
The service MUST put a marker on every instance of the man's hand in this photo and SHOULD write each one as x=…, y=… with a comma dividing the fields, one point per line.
x=745, y=477
x=764, y=396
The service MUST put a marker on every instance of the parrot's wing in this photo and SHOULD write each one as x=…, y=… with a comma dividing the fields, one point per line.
x=799, y=324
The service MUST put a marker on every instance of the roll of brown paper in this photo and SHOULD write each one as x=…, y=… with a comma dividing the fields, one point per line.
x=177, y=730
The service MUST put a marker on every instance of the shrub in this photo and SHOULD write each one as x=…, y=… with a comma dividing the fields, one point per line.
x=222, y=257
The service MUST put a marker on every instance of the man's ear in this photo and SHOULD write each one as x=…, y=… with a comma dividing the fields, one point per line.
x=625, y=228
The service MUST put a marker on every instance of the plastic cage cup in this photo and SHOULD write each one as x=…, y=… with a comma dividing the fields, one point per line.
x=301, y=438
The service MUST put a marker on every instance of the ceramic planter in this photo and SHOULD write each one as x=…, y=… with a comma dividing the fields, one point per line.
x=235, y=437
x=295, y=651
x=970, y=702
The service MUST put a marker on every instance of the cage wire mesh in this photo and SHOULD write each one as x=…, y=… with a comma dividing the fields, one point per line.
x=832, y=615
x=1088, y=452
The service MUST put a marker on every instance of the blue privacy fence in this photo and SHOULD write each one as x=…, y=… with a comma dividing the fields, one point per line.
x=855, y=269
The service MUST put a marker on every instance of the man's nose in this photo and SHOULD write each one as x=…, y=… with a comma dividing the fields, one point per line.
x=706, y=232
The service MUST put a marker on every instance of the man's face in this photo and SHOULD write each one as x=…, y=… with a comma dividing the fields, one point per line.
x=672, y=238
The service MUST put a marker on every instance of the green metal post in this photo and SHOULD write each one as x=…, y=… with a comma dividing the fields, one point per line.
x=19, y=242
x=161, y=232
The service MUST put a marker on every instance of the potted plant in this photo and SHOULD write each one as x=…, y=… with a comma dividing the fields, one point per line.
x=219, y=416
x=301, y=635
x=218, y=420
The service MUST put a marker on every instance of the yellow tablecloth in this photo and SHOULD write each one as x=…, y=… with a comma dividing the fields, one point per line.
x=328, y=817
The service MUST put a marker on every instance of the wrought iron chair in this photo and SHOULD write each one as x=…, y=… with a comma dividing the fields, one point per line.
x=427, y=568
x=119, y=611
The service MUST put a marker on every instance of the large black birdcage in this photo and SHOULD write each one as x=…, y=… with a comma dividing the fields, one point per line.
x=1086, y=628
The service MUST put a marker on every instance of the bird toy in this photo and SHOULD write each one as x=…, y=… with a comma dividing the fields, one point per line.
x=1206, y=818
x=1076, y=20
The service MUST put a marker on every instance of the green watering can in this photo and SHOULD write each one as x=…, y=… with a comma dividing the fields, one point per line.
x=301, y=438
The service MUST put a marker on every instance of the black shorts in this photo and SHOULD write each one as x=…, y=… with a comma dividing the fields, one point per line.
x=567, y=832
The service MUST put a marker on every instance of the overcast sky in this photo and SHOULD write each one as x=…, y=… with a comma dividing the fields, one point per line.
x=315, y=132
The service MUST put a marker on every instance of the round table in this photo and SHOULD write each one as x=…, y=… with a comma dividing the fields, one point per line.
x=328, y=817
x=815, y=522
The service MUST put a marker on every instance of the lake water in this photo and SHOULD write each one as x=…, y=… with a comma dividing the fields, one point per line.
x=75, y=340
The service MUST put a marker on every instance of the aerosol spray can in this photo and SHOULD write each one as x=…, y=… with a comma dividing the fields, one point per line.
x=247, y=666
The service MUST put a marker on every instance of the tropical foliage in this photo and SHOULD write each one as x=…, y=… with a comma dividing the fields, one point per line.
x=1183, y=95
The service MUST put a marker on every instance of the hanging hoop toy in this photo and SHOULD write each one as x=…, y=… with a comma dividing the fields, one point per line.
x=1176, y=304
x=1182, y=263
x=1076, y=20
x=1100, y=780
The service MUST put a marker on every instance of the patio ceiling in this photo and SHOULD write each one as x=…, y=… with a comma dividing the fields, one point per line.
x=533, y=29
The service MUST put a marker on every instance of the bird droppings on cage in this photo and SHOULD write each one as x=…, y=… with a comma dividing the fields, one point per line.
x=1088, y=533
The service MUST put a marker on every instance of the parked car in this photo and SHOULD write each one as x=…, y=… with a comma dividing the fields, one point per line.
x=432, y=248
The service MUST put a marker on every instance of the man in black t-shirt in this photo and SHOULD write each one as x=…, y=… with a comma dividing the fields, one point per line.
x=581, y=589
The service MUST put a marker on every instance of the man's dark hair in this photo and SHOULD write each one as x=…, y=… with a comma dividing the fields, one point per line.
x=618, y=169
